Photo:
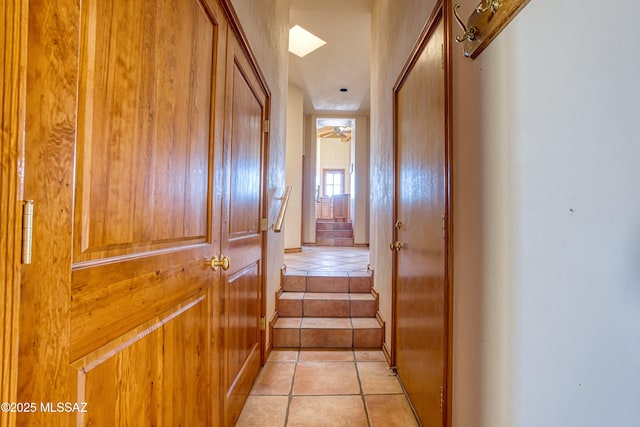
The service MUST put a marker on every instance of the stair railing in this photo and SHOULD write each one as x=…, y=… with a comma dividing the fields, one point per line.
x=277, y=226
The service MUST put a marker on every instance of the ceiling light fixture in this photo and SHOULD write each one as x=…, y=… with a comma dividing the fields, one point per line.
x=302, y=42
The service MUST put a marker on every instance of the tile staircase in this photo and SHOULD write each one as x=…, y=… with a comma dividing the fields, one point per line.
x=327, y=310
x=334, y=233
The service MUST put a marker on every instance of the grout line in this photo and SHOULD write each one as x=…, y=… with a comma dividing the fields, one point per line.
x=290, y=395
x=362, y=396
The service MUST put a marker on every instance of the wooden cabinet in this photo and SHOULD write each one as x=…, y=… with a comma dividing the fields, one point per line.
x=341, y=207
x=334, y=207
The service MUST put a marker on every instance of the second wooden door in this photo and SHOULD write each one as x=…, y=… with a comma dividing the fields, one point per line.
x=244, y=155
x=420, y=297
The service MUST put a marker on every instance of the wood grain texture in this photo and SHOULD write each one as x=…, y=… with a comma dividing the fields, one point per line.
x=245, y=160
x=107, y=300
x=244, y=156
x=119, y=308
x=44, y=373
x=156, y=374
x=186, y=368
x=12, y=107
x=150, y=108
x=489, y=25
x=420, y=298
x=145, y=104
x=127, y=388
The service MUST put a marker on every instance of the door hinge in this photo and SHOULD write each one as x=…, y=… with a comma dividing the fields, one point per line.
x=263, y=323
x=441, y=398
x=443, y=227
x=266, y=126
x=264, y=224
x=27, y=231
x=442, y=54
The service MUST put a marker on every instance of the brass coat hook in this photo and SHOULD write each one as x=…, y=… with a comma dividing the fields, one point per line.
x=487, y=19
x=491, y=5
x=469, y=34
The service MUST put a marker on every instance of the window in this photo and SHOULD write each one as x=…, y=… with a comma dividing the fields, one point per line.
x=333, y=180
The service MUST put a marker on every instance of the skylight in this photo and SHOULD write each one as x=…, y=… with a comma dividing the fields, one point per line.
x=302, y=42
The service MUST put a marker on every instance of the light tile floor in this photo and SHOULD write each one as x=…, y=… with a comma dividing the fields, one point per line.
x=327, y=259
x=324, y=388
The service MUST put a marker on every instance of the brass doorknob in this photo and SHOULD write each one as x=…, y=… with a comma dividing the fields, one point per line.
x=221, y=261
x=395, y=246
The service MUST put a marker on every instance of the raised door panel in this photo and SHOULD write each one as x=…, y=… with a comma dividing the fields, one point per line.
x=125, y=388
x=420, y=301
x=241, y=238
x=144, y=113
x=187, y=367
x=153, y=375
x=144, y=164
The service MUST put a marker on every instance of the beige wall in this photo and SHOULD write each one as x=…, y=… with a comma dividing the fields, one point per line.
x=266, y=24
x=334, y=154
x=295, y=141
x=360, y=179
x=309, y=208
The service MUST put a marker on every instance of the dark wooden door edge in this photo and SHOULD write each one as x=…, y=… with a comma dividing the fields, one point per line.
x=236, y=27
x=442, y=10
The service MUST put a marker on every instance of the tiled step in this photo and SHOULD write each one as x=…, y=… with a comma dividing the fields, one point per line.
x=321, y=332
x=334, y=233
x=352, y=282
x=343, y=241
x=325, y=304
x=326, y=224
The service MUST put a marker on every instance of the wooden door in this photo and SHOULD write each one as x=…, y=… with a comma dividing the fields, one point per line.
x=420, y=263
x=118, y=307
x=245, y=149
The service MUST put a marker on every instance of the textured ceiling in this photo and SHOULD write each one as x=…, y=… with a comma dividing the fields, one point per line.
x=344, y=62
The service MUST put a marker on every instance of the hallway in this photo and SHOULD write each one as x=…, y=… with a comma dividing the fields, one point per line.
x=327, y=387
x=326, y=258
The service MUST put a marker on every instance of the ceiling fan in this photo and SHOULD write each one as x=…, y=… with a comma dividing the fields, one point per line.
x=342, y=132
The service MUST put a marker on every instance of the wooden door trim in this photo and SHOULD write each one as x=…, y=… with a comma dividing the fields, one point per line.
x=442, y=10
x=12, y=122
x=235, y=26
x=43, y=372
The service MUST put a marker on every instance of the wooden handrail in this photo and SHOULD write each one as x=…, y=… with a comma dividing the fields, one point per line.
x=277, y=226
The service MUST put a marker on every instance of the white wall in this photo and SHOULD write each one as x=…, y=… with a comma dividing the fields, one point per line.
x=266, y=24
x=565, y=210
x=295, y=140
